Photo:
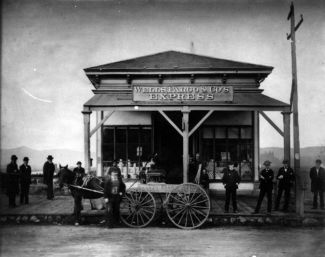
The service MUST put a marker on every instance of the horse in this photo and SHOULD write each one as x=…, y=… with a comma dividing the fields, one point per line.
x=90, y=187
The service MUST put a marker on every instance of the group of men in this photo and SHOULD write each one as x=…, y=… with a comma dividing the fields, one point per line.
x=18, y=180
x=286, y=179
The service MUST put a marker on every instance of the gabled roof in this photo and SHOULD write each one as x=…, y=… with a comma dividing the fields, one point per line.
x=174, y=60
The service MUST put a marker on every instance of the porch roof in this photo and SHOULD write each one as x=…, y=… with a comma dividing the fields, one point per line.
x=240, y=101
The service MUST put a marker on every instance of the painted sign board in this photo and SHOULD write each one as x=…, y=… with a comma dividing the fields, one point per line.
x=182, y=93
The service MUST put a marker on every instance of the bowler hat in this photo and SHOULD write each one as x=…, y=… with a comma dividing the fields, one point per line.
x=318, y=161
x=231, y=163
x=26, y=159
x=14, y=157
x=285, y=162
x=267, y=163
x=79, y=162
x=50, y=157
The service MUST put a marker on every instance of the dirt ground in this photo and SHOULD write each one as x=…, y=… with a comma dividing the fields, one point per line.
x=26, y=240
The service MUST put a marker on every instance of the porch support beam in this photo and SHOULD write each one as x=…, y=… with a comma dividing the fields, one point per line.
x=86, y=115
x=268, y=119
x=185, y=125
x=200, y=122
x=93, y=131
x=170, y=122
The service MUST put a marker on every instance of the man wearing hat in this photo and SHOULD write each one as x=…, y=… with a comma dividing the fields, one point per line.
x=25, y=172
x=317, y=176
x=13, y=181
x=79, y=173
x=286, y=179
x=231, y=180
x=114, y=168
x=266, y=187
x=48, y=172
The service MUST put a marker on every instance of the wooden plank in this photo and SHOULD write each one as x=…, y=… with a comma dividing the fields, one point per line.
x=200, y=122
x=100, y=123
x=268, y=119
x=185, y=145
x=171, y=122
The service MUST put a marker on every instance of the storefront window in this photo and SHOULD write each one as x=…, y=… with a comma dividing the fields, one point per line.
x=227, y=143
x=122, y=143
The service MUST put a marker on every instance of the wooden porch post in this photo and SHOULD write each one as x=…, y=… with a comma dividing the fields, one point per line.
x=256, y=145
x=286, y=138
x=86, y=115
x=185, y=125
x=99, y=160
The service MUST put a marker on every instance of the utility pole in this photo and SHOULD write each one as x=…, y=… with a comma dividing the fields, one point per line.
x=294, y=108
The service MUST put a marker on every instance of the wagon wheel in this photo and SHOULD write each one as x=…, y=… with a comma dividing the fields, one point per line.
x=188, y=206
x=137, y=208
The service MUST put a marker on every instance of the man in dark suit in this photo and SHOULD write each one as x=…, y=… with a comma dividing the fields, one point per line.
x=12, y=181
x=48, y=172
x=231, y=180
x=114, y=189
x=25, y=178
x=286, y=179
x=317, y=176
x=79, y=173
x=266, y=187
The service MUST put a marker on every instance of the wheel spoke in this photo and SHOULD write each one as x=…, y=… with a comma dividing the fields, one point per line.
x=147, y=195
x=196, y=198
x=200, y=212
x=195, y=215
x=178, y=200
x=181, y=211
x=145, y=214
x=200, y=207
x=189, y=212
x=147, y=211
x=181, y=218
x=150, y=200
x=202, y=201
x=193, y=194
x=141, y=218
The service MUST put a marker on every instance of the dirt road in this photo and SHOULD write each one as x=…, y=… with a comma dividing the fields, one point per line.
x=25, y=240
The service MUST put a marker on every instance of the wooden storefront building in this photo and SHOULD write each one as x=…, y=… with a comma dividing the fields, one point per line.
x=176, y=105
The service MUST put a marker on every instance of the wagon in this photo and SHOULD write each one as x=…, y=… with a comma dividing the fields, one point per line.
x=187, y=205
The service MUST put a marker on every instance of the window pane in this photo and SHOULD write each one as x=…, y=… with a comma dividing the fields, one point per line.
x=246, y=133
x=246, y=160
x=133, y=143
x=145, y=141
x=120, y=143
x=233, y=132
x=220, y=132
x=108, y=144
x=207, y=133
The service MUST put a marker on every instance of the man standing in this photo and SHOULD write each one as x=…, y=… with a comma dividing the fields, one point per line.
x=25, y=178
x=286, y=179
x=231, y=180
x=79, y=173
x=113, y=191
x=317, y=176
x=266, y=187
x=13, y=181
x=48, y=172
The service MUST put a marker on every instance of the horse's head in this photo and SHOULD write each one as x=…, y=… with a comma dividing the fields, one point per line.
x=65, y=176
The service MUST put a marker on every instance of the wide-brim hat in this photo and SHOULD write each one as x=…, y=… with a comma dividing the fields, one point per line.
x=26, y=159
x=318, y=161
x=79, y=162
x=14, y=157
x=50, y=157
x=285, y=162
x=267, y=163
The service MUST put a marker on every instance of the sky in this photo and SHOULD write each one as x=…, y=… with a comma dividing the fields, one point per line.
x=46, y=44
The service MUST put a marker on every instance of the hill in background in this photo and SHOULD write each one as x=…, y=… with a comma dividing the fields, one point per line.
x=70, y=157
